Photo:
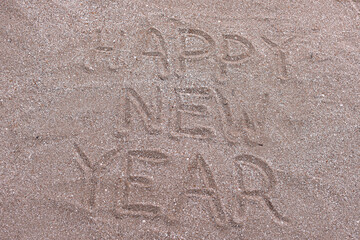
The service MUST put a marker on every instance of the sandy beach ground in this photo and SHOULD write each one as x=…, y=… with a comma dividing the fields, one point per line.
x=181, y=119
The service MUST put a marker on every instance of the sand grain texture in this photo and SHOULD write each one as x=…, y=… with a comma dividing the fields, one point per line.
x=179, y=119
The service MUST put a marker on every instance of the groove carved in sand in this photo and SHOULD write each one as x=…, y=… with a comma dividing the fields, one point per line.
x=279, y=51
x=209, y=190
x=162, y=53
x=235, y=59
x=196, y=105
x=129, y=206
x=186, y=55
x=92, y=172
x=194, y=109
x=150, y=121
x=258, y=195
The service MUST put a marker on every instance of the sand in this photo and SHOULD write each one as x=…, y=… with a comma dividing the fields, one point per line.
x=179, y=119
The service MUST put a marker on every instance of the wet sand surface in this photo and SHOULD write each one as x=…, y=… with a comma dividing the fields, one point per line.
x=179, y=119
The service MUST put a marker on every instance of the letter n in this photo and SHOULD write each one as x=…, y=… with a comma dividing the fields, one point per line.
x=150, y=121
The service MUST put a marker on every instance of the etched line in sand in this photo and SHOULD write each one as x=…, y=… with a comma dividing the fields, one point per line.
x=92, y=172
x=197, y=54
x=101, y=54
x=279, y=51
x=193, y=109
x=209, y=190
x=225, y=107
x=281, y=54
x=200, y=53
x=202, y=92
x=258, y=195
x=248, y=123
x=240, y=57
x=193, y=106
x=105, y=49
x=132, y=98
x=150, y=156
x=141, y=181
x=232, y=130
x=138, y=208
x=84, y=161
x=163, y=55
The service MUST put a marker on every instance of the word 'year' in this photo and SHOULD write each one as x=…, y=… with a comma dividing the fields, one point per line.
x=198, y=168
